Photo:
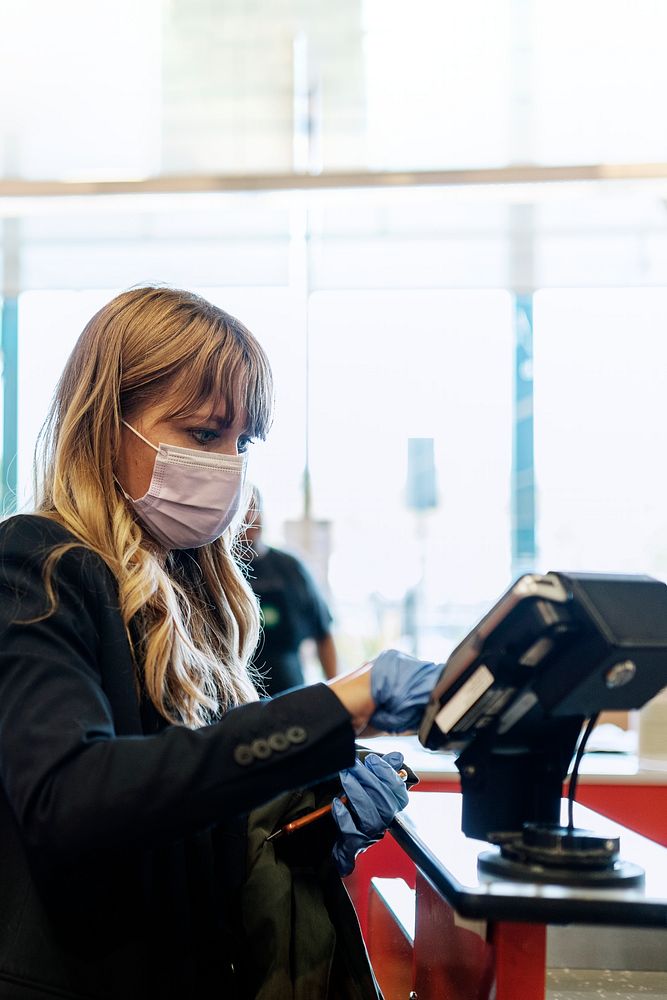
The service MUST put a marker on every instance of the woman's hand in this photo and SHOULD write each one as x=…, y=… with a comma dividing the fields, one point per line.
x=375, y=793
x=388, y=695
x=400, y=687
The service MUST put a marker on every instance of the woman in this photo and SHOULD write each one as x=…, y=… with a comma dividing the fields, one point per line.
x=132, y=741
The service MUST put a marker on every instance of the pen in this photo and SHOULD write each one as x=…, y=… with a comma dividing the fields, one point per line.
x=316, y=814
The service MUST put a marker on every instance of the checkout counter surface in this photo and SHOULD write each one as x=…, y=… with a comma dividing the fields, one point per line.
x=601, y=767
x=429, y=831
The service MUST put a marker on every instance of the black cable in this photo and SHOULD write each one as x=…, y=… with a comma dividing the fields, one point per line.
x=572, y=786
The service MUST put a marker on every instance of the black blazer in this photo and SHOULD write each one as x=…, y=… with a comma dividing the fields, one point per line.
x=122, y=838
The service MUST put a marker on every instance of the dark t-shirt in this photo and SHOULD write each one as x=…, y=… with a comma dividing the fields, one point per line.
x=292, y=610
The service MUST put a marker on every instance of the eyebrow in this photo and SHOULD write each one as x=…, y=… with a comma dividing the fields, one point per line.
x=222, y=422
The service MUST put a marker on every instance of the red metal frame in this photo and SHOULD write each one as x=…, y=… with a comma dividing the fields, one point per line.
x=520, y=954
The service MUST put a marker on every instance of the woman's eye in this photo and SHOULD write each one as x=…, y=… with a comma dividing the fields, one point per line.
x=243, y=444
x=203, y=435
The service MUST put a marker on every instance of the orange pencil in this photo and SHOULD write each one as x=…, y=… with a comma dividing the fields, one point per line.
x=316, y=814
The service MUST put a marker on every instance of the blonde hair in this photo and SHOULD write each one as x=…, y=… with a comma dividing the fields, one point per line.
x=195, y=613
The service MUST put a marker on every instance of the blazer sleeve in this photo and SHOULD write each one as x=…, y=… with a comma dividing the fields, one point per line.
x=72, y=781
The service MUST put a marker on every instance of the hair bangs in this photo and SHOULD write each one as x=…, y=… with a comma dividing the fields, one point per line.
x=229, y=372
x=257, y=387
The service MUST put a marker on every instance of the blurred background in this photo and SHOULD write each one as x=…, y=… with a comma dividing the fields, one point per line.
x=445, y=221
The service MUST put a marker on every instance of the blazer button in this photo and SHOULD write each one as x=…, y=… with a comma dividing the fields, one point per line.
x=278, y=741
x=296, y=734
x=261, y=749
x=243, y=755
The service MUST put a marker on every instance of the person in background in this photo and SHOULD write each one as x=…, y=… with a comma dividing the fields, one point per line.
x=141, y=777
x=292, y=606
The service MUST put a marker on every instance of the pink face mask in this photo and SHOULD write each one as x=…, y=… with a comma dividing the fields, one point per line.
x=193, y=496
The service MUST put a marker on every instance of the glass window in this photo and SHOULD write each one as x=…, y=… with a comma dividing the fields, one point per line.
x=371, y=349
x=386, y=367
x=438, y=83
x=227, y=87
x=85, y=86
x=49, y=324
x=600, y=378
x=600, y=78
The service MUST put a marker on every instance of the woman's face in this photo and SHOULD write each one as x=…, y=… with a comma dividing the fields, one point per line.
x=207, y=430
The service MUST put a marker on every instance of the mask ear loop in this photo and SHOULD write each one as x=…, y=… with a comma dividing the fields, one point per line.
x=120, y=487
x=134, y=431
x=238, y=521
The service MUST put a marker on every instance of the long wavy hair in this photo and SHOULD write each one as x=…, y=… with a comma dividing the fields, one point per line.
x=191, y=617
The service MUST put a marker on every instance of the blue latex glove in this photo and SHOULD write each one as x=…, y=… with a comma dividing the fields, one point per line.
x=375, y=794
x=401, y=686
